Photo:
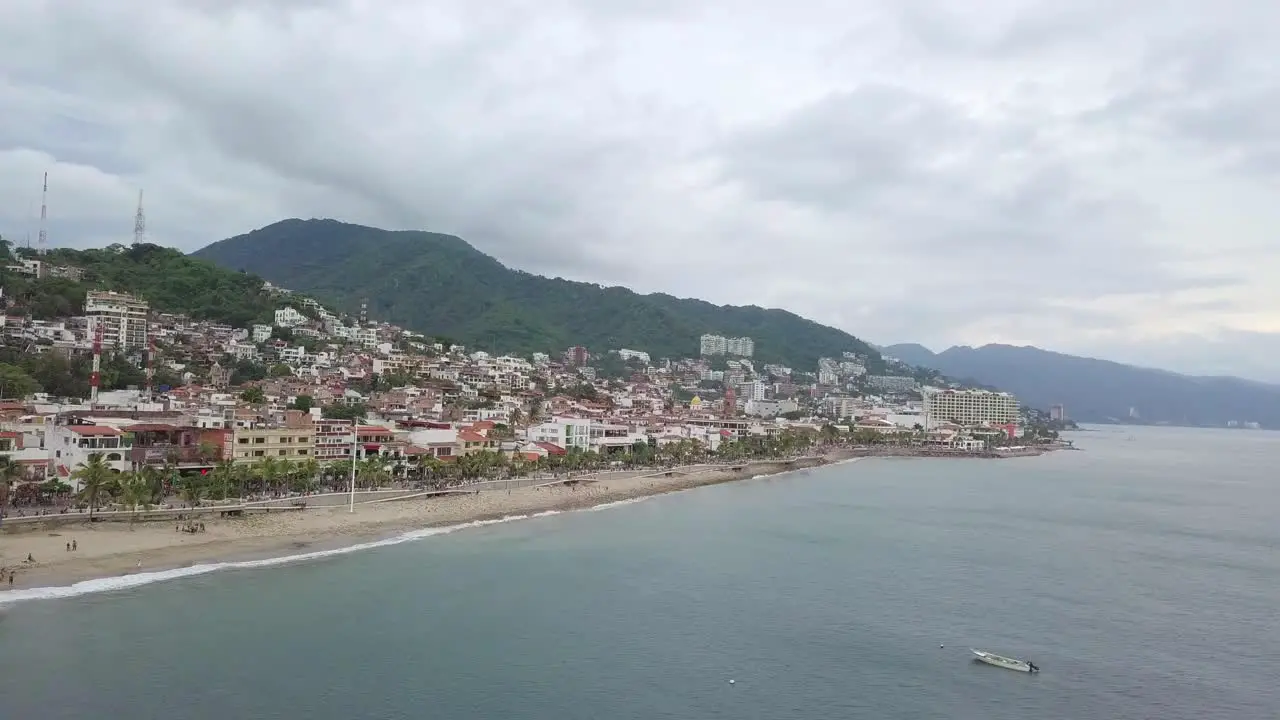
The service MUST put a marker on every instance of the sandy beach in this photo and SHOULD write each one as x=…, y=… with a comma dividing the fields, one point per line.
x=114, y=548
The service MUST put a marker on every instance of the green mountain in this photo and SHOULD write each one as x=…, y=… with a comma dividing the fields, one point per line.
x=1103, y=391
x=439, y=285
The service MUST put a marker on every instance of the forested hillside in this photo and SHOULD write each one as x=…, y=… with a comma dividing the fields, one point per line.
x=439, y=284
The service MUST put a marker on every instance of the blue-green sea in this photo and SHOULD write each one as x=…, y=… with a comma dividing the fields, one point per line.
x=1142, y=574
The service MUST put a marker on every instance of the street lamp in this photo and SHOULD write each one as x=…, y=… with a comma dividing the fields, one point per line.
x=355, y=441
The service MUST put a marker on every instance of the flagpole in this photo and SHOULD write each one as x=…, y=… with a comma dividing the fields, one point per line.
x=355, y=439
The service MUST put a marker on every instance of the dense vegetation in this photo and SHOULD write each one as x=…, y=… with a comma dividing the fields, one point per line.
x=439, y=284
x=169, y=280
x=23, y=373
x=1103, y=391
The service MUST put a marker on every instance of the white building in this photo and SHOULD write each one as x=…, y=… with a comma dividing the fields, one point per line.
x=71, y=445
x=769, y=408
x=751, y=390
x=288, y=317
x=971, y=407
x=844, y=407
x=626, y=354
x=565, y=432
x=261, y=333
x=891, y=383
x=123, y=319
x=709, y=345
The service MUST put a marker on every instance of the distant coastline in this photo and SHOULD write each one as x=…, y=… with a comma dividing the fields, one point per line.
x=114, y=549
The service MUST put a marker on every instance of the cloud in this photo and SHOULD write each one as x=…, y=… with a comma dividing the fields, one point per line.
x=1093, y=177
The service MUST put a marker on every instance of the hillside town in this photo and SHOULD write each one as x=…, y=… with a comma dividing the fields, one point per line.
x=316, y=393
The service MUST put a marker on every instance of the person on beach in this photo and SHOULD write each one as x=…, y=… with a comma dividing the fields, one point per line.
x=74, y=546
x=11, y=579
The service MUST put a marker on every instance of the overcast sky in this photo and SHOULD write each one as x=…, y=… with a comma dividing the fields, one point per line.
x=1096, y=177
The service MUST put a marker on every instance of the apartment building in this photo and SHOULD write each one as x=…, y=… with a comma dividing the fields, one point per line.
x=283, y=443
x=292, y=440
x=333, y=440
x=709, y=345
x=123, y=319
x=971, y=407
x=564, y=432
x=891, y=383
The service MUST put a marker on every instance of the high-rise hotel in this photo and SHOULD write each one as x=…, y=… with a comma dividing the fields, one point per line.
x=971, y=407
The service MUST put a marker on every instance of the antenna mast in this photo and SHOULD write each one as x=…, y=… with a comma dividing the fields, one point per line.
x=139, y=223
x=42, y=243
x=95, y=378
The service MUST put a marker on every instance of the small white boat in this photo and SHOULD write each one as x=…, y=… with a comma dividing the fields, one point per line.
x=1006, y=663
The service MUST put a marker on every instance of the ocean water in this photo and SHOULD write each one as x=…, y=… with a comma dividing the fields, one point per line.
x=1141, y=574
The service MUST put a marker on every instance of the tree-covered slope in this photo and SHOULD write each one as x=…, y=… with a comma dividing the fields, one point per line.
x=1103, y=391
x=439, y=284
x=166, y=278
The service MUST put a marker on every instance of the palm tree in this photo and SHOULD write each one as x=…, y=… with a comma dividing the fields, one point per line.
x=268, y=470
x=193, y=490
x=308, y=472
x=223, y=477
x=9, y=471
x=135, y=490
x=95, y=479
x=372, y=472
x=154, y=478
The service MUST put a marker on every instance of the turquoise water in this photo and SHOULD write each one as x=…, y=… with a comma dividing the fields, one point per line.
x=1141, y=575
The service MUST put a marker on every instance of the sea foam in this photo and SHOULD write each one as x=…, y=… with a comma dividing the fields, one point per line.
x=124, y=582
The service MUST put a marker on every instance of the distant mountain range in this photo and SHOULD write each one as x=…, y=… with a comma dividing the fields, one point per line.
x=439, y=285
x=1100, y=390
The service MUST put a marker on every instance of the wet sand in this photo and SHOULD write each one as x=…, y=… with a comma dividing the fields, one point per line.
x=115, y=548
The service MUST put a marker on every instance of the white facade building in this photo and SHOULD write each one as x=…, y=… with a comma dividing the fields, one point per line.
x=891, y=383
x=71, y=445
x=565, y=432
x=751, y=390
x=709, y=345
x=123, y=319
x=971, y=407
x=626, y=354
x=288, y=317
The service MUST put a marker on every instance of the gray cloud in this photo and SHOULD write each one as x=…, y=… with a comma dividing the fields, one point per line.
x=930, y=170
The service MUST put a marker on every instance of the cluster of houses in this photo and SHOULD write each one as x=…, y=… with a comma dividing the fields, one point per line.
x=418, y=398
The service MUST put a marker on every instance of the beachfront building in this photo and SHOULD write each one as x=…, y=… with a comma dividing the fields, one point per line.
x=971, y=407
x=254, y=444
x=71, y=445
x=332, y=440
x=564, y=432
x=122, y=318
x=182, y=447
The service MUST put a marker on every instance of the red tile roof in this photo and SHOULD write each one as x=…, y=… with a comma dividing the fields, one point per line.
x=551, y=448
x=469, y=436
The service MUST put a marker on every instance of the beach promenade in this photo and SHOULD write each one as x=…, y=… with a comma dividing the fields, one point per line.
x=114, y=546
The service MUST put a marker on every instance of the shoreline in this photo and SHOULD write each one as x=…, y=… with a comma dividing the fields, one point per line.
x=115, y=550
